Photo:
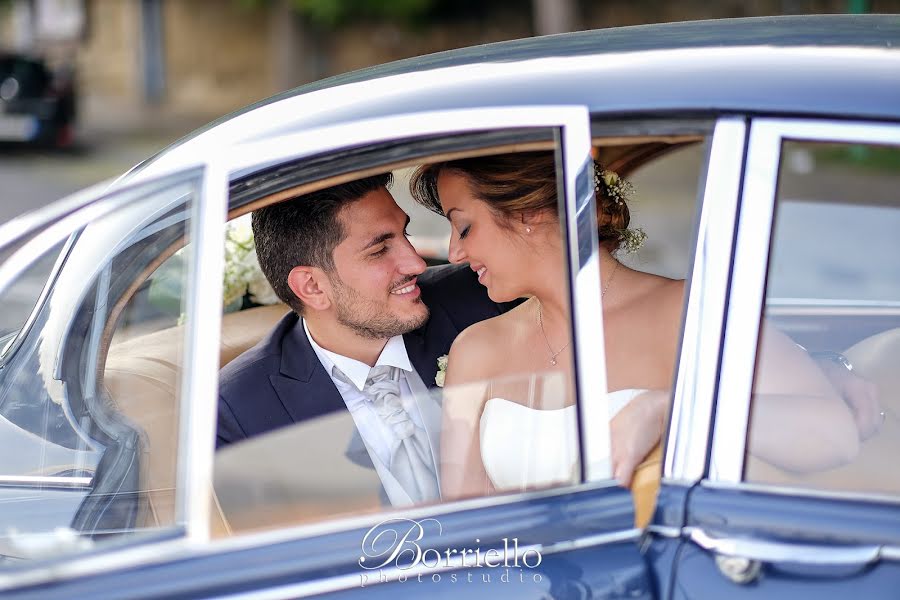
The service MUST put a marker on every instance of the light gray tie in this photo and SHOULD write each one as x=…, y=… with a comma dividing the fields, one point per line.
x=411, y=461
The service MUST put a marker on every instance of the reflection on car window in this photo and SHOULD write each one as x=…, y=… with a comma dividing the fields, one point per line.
x=20, y=298
x=84, y=416
x=834, y=288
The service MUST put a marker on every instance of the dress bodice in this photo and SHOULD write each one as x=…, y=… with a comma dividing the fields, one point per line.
x=524, y=447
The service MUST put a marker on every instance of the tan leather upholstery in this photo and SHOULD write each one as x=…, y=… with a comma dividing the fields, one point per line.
x=645, y=486
x=874, y=470
x=142, y=377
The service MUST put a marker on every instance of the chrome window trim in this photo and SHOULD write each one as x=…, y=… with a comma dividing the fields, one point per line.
x=45, y=481
x=698, y=362
x=751, y=257
x=199, y=393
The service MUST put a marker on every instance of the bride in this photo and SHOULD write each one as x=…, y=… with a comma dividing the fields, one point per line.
x=508, y=414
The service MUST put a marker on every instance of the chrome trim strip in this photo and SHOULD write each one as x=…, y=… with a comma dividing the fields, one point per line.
x=801, y=492
x=781, y=552
x=891, y=553
x=45, y=481
x=745, y=302
x=695, y=382
x=200, y=391
x=591, y=541
x=664, y=531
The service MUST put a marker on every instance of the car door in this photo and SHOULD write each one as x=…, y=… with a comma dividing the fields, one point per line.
x=574, y=538
x=764, y=524
x=74, y=475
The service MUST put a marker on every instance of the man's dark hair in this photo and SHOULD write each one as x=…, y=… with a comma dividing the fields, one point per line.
x=305, y=231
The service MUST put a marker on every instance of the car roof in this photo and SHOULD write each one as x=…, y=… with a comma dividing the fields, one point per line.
x=837, y=65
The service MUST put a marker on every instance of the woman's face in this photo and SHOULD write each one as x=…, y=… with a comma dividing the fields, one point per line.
x=494, y=252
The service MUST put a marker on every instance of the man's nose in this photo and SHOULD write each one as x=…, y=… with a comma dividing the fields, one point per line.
x=455, y=252
x=412, y=263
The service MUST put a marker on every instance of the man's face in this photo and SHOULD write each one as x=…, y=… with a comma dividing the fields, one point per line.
x=374, y=280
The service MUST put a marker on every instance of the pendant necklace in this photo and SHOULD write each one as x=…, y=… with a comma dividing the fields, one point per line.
x=553, y=354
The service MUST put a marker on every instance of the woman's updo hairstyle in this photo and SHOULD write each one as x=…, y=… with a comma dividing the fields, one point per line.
x=613, y=216
x=510, y=184
x=525, y=182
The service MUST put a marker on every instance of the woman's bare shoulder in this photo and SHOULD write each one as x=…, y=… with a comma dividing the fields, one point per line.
x=475, y=350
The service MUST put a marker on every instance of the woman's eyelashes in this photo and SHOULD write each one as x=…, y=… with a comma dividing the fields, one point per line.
x=464, y=232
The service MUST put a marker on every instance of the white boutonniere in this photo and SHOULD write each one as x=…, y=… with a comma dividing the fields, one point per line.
x=442, y=371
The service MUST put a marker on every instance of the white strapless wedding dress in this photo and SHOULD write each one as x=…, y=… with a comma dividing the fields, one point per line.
x=523, y=447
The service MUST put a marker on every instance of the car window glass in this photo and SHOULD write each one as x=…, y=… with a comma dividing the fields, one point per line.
x=833, y=290
x=20, y=298
x=95, y=442
x=526, y=396
x=644, y=291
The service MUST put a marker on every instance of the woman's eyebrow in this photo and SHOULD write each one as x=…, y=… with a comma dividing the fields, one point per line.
x=450, y=212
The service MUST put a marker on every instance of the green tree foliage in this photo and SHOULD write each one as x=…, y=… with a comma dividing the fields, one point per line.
x=332, y=13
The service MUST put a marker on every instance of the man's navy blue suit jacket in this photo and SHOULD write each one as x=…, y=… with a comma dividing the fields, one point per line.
x=280, y=381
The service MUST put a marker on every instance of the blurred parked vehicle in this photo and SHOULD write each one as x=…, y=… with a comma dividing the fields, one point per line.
x=37, y=103
x=778, y=138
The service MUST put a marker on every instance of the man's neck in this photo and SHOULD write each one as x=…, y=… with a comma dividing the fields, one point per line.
x=337, y=338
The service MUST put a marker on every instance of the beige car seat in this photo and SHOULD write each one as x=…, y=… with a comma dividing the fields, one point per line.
x=142, y=377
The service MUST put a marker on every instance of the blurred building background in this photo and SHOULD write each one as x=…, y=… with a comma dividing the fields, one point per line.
x=149, y=71
x=143, y=62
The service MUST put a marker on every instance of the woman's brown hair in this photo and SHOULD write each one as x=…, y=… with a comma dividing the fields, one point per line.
x=516, y=184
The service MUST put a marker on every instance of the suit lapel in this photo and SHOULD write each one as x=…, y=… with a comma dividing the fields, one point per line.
x=303, y=386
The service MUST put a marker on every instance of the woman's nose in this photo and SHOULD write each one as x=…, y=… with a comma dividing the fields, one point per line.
x=455, y=252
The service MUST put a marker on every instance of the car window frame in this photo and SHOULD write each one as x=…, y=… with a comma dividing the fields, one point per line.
x=746, y=297
x=198, y=417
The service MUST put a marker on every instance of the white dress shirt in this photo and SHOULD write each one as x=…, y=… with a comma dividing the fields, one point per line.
x=377, y=436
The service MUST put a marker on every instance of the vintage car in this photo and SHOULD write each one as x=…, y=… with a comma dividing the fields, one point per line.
x=37, y=103
x=765, y=155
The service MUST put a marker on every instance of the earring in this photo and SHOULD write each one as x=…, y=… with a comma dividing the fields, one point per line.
x=528, y=230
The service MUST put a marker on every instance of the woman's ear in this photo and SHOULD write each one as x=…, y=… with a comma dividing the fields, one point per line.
x=536, y=218
x=311, y=286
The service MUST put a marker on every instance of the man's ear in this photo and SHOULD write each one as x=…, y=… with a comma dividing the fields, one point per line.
x=310, y=285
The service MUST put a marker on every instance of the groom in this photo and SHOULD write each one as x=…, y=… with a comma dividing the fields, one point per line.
x=367, y=326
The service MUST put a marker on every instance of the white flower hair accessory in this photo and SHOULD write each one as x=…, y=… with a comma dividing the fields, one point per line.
x=618, y=189
x=442, y=371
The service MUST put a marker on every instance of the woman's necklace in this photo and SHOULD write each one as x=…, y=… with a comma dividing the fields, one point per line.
x=553, y=354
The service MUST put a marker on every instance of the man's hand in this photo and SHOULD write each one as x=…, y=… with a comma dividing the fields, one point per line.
x=860, y=395
x=635, y=431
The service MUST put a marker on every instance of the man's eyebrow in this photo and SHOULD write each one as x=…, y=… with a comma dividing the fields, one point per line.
x=378, y=239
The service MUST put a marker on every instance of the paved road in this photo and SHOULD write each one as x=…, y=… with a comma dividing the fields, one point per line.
x=32, y=178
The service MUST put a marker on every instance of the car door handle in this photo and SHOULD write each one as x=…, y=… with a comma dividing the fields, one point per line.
x=784, y=552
